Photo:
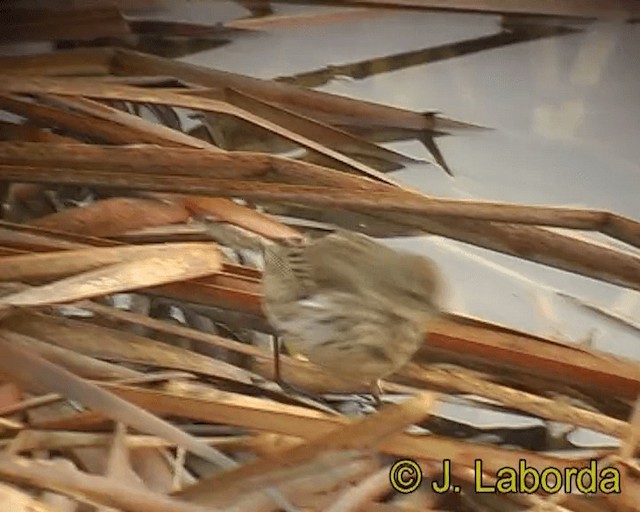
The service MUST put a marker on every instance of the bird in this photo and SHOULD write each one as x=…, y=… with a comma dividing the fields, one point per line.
x=351, y=305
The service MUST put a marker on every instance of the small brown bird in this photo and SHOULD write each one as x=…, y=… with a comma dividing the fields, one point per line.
x=353, y=306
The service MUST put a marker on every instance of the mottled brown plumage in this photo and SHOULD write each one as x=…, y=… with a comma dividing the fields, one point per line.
x=351, y=305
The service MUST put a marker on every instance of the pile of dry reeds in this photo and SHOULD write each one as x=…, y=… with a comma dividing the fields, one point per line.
x=136, y=365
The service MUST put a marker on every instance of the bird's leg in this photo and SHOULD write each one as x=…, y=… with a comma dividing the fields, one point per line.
x=277, y=374
x=290, y=389
x=276, y=361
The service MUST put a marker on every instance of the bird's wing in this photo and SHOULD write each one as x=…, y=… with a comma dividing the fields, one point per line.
x=341, y=262
x=287, y=274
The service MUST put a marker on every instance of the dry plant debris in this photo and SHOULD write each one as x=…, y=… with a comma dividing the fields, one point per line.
x=136, y=368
